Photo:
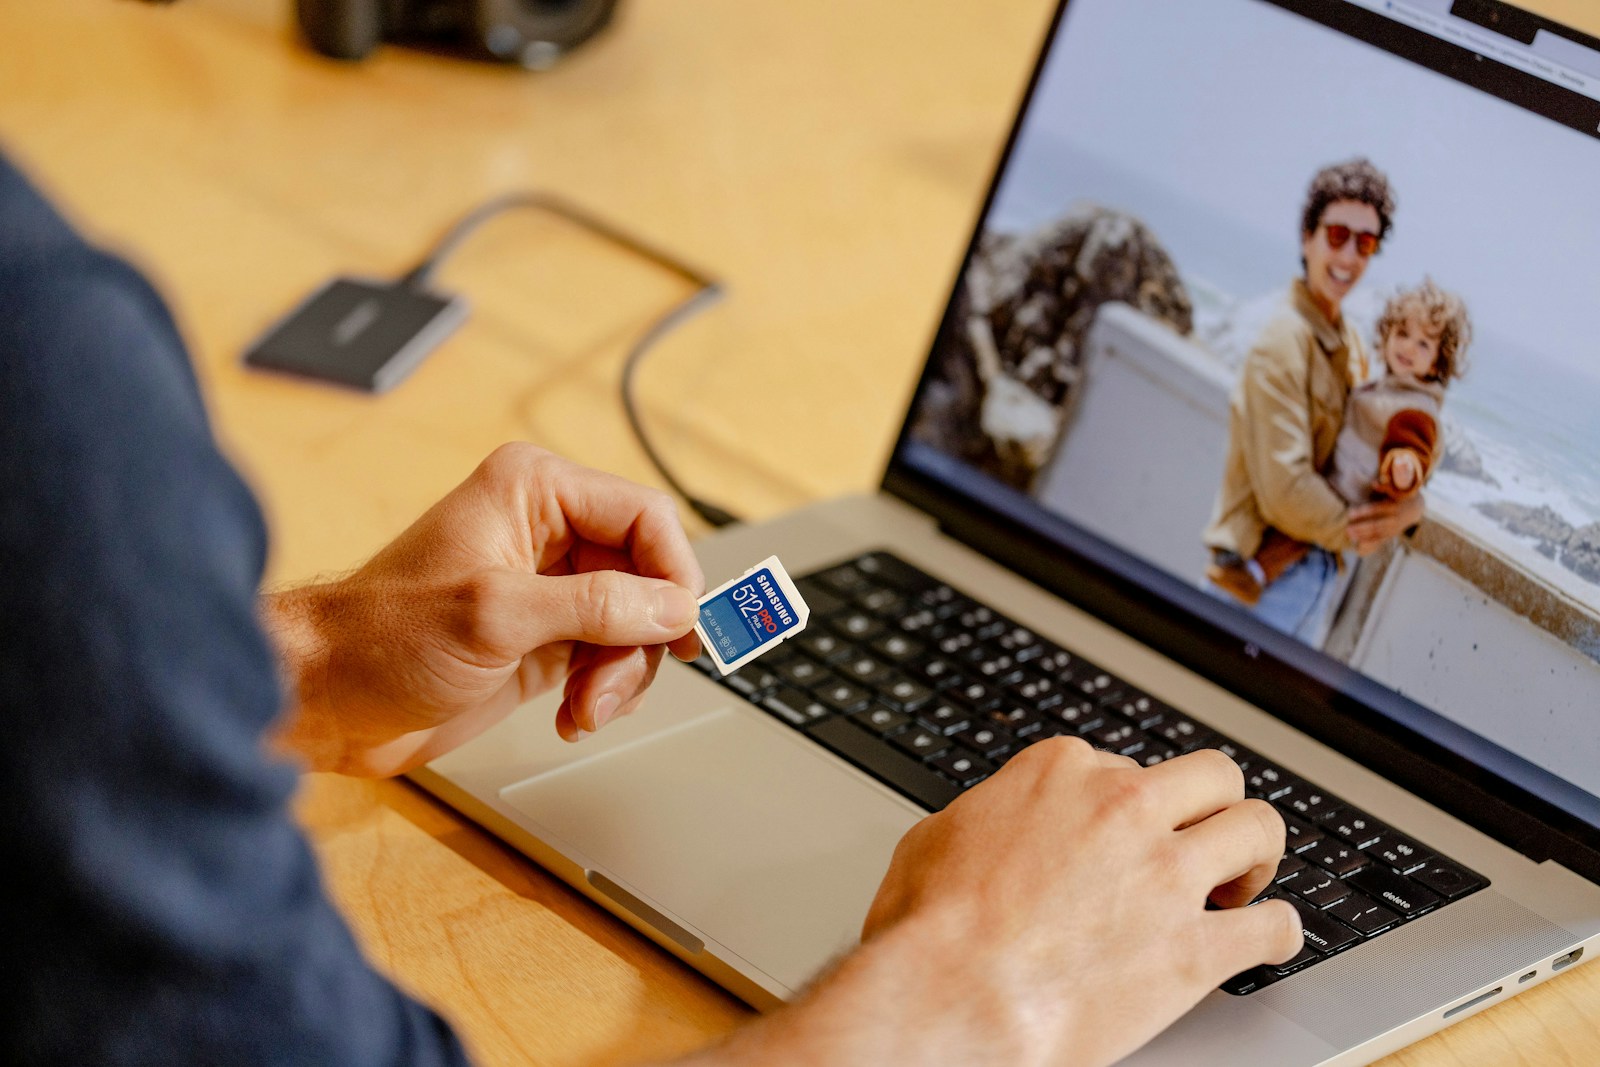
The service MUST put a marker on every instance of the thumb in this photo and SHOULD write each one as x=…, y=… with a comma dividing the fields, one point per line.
x=605, y=608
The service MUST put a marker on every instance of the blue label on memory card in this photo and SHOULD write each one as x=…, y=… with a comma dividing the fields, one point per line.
x=747, y=616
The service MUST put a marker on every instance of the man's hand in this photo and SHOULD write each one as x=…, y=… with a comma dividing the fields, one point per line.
x=1370, y=525
x=1055, y=914
x=1078, y=881
x=532, y=572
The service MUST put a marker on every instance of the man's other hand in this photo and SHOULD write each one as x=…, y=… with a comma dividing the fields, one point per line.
x=533, y=572
x=1370, y=525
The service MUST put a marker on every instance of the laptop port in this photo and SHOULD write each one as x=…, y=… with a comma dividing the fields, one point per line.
x=1530, y=976
x=1474, y=1002
x=1567, y=960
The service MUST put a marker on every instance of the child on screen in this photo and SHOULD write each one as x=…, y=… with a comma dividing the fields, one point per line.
x=1390, y=439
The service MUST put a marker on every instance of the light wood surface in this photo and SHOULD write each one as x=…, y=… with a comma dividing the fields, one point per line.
x=825, y=158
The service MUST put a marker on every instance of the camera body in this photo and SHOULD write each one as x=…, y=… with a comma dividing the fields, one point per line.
x=532, y=33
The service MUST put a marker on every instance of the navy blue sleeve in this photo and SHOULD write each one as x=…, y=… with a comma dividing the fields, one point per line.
x=164, y=907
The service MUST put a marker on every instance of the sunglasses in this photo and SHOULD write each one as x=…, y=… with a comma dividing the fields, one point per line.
x=1367, y=243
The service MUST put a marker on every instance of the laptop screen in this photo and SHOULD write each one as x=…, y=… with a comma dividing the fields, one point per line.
x=1262, y=283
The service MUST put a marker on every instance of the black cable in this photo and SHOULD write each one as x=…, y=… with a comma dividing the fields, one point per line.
x=707, y=291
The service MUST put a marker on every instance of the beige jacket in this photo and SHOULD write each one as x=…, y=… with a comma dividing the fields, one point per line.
x=1284, y=420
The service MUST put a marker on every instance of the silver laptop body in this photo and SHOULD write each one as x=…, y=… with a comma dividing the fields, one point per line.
x=739, y=844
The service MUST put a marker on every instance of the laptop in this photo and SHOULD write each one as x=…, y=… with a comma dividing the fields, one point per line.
x=1035, y=562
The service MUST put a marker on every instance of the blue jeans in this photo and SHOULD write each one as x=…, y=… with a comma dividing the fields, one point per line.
x=1302, y=601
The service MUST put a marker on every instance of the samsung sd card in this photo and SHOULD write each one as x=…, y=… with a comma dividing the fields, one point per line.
x=756, y=611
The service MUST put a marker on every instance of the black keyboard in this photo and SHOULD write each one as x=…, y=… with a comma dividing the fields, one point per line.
x=930, y=692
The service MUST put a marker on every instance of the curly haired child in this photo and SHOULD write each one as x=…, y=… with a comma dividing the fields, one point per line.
x=1390, y=440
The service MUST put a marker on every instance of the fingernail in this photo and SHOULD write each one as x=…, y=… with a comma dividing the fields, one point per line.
x=674, y=608
x=604, y=708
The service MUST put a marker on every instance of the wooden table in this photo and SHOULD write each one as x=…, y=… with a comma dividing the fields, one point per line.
x=826, y=159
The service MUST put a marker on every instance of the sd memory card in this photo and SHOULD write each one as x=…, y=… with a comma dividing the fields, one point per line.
x=756, y=611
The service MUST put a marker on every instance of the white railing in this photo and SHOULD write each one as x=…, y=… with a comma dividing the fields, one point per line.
x=1443, y=618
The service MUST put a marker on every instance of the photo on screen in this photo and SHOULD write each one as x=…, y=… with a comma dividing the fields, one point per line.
x=1196, y=203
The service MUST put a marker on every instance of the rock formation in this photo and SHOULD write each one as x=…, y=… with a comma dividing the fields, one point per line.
x=1578, y=549
x=1461, y=455
x=1581, y=553
x=1014, y=347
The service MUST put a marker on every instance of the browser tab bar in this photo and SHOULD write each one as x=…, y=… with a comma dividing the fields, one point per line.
x=1501, y=33
x=1568, y=53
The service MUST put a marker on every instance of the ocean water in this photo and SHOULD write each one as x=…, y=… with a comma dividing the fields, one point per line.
x=1537, y=425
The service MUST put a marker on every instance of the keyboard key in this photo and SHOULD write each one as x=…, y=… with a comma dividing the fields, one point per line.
x=1319, y=890
x=1265, y=781
x=1394, y=890
x=982, y=622
x=881, y=721
x=822, y=646
x=987, y=741
x=1399, y=852
x=946, y=602
x=966, y=768
x=1055, y=662
x=819, y=598
x=1322, y=933
x=843, y=579
x=752, y=683
x=1306, y=955
x=903, y=693
x=1022, y=643
x=864, y=670
x=1097, y=686
x=920, y=621
x=979, y=696
x=884, y=603
x=944, y=718
x=804, y=673
x=1247, y=982
x=1078, y=716
x=1142, y=711
x=1289, y=867
x=1155, y=751
x=996, y=668
x=920, y=743
x=843, y=696
x=1187, y=734
x=1336, y=857
x=892, y=570
x=1299, y=836
x=1112, y=736
x=937, y=671
x=1238, y=753
x=793, y=706
x=1309, y=802
x=953, y=643
x=1448, y=880
x=1362, y=915
x=856, y=626
x=1036, y=691
x=1356, y=827
x=893, y=767
x=1285, y=798
x=898, y=648
x=1020, y=721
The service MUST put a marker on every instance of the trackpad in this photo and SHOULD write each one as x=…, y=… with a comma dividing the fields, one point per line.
x=733, y=826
